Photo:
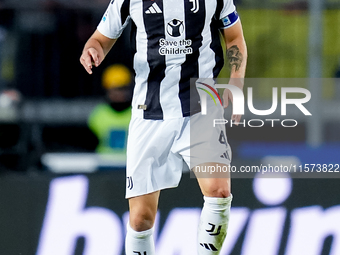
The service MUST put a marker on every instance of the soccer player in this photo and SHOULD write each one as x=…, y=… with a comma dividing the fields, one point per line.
x=174, y=41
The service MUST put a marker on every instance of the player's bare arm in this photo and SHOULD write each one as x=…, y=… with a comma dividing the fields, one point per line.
x=236, y=51
x=95, y=50
x=237, y=59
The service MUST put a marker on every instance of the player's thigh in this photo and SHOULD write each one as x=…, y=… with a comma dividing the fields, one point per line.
x=214, y=186
x=143, y=211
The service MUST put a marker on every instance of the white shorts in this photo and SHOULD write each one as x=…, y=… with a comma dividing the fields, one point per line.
x=156, y=150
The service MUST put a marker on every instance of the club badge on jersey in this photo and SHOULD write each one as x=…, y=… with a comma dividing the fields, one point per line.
x=195, y=5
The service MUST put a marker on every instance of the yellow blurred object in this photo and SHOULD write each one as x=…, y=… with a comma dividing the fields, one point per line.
x=116, y=76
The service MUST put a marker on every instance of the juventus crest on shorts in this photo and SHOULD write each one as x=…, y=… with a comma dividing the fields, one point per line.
x=174, y=41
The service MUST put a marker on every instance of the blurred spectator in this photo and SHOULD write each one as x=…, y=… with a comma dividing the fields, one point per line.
x=110, y=121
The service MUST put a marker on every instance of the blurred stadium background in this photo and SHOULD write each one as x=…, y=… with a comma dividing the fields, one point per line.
x=57, y=196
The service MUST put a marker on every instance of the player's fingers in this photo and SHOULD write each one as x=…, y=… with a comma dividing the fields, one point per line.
x=231, y=96
x=95, y=56
x=236, y=118
x=86, y=61
x=225, y=102
x=225, y=99
x=226, y=96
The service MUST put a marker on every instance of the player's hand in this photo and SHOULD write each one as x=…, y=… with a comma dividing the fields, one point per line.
x=227, y=95
x=89, y=58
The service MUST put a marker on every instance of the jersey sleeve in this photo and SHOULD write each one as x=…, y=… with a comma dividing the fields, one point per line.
x=115, y=19
x=228, y=16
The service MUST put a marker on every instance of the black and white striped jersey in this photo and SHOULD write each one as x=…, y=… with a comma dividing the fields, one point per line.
x=174, y=41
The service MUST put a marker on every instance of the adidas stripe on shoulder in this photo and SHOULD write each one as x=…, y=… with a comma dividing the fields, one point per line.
x=154, y=8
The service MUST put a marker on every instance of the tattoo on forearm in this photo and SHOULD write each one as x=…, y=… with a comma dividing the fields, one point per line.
x=235, y=57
